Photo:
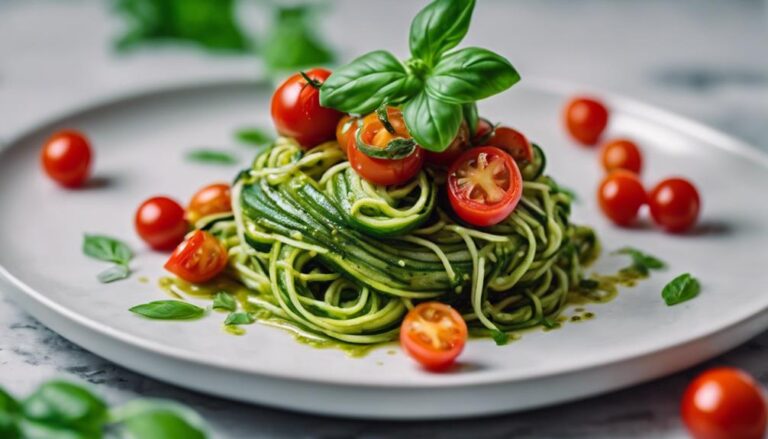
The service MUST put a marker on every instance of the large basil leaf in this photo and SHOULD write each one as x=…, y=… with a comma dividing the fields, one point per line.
x=434, y=124
x=439, y=27
x=168, y=310
x=66, y=405
x=158, y=419
x=363, y=84
x=469, y=75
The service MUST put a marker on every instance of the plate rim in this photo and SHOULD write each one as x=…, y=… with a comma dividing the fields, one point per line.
x=718, y=139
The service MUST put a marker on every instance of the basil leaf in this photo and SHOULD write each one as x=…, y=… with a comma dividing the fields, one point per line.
x=225, y=301
x=641, y=261
x=239, y=318
x=157, y=419
x=501, y=338
x=107, y=249
x=292, y=42
x=212, y=156
x=9, y=411
x=439, y=27
x=254, y=136
x=114, y=273
x=168, y=310
x=67, y=406
x=432, y=123
x=682, y=288
x=397, y=148
x=469, y=75
x=362, y=85
x=471, y=117
x=8, y=403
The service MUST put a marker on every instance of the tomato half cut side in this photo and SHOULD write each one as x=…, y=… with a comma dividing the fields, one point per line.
x=484, y=186
x=198, y=259
x=514, y=143
x=434, y=334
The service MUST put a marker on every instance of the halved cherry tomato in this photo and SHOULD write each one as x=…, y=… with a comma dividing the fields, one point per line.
x=585, y=119
x=724, y=403
x=675, y=204
x=212, y=199
x=621, y=154
x=484, y=186
x=198, y=259
x=454, y=150
x=384, y=171
x=297, y=113
x=345, y=131
x=483, y=132
x=621, y=195
x=66, y=158
x=514, y=143
x=160, y=223
x=433, y=334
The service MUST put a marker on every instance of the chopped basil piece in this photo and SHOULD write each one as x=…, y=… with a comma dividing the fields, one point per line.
x=212, y=156
x=680, y=289
x=239, y=318
x=224, y=301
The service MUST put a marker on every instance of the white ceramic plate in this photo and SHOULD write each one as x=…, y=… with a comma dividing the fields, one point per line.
x=140, y=144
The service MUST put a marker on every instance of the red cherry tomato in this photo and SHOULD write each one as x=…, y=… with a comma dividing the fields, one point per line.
x=198, y=259
x=724, y=403
x=483, y=132
x=384, y=171
x=454, y=150
x=675, y=204
x=621, y=195
x=514, y=143
x=345, y=131
x=585, y=119
x=297, y=113
x=433, y=334
x=160, y=223
x=484, y=186
x=621, y=154
x=212, y=199
x=66, y=158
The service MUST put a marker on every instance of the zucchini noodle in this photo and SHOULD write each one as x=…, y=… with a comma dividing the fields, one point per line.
x=338, y=258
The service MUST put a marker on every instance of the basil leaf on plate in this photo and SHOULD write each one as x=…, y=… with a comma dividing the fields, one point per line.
x=254, y=136
x=224, y=301
x=641, y=262
x=212, y=156
x=434, y=124
x=239, y=318
x=439, y=27
x=470, y=74
x=157, y=419
x=168, y=310
x=66, y=406
x=106, y=249
x=680, y=289
x=114, y=273
x=362, y=85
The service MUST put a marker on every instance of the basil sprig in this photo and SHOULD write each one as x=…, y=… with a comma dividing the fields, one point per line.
x=434, y=86
x=109, y=249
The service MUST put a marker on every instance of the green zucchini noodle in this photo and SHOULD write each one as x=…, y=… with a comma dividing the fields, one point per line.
x=334, y=257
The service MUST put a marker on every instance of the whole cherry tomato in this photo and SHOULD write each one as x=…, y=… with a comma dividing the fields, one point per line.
x=585, y=118
x=621, y=195
x=212, y=199
x=160, y=223
x=621, y=154
x=66, y=158
x=675, y=204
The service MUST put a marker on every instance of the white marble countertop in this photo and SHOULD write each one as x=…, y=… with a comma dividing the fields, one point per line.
x=705, y=59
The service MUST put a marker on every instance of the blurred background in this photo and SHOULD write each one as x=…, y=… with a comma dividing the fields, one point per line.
x=705, y=59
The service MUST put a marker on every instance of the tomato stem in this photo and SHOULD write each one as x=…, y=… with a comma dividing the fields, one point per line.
x=312, y=82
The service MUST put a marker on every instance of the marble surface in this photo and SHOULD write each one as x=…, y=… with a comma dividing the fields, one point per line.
x=705, y=59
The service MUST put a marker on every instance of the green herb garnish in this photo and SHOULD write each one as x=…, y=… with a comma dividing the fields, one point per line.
x=168, y=310
x=291, y=42
x=224, y=301
x=114, y=273
x=212, y=156
x=434, y=86
x=641, y=262
x=500, y=337
x=680, y=289
x=157, y=419
x=109, y=249
x=239, y=318
x=254, y=136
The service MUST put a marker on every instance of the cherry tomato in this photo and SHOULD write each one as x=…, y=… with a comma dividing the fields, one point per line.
x=621, y=195
x=160, y=223
x=675, y=204
x=585, y=119
x=212, y=199
x=484, y=186
x=514, y=143
x=384, y=171
x=198, y=259
x=483, y=132
x=724, y=403
x=345, y=131
x=66, y=158
x=297, y=113
x=621, y=154
x=454, y=150
x=433, y=334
